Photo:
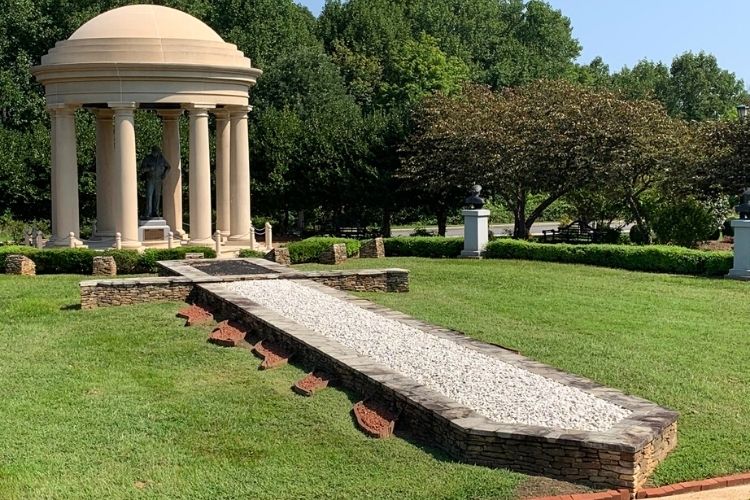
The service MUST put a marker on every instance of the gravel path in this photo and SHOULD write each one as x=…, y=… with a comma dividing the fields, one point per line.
x=493, y=388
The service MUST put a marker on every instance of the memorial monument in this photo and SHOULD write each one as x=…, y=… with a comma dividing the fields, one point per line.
x=149, y=57
x=476, y=225
x=741, y=267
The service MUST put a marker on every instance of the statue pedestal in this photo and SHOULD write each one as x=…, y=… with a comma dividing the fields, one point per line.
x=476, y=232
x=741, y=268
x=153, y=230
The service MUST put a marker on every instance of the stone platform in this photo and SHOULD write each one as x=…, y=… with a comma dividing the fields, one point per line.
x=621, y=457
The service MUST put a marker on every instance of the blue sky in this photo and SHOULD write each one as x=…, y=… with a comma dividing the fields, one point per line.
x=625, y=31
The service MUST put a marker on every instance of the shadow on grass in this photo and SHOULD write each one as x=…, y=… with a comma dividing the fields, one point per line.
x=71, y=307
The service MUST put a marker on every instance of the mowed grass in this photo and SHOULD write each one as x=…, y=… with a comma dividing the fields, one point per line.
x=682, y=342
x=128, y=403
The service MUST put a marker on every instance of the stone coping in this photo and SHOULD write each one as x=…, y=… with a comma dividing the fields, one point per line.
x=631, y=434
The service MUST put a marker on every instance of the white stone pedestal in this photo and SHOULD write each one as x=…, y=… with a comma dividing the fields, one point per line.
x=476, y=232
x=153, y=230
x=741, y=268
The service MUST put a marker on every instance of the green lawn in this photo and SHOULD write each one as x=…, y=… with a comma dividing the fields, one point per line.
x=127, y=403
x=682, y=342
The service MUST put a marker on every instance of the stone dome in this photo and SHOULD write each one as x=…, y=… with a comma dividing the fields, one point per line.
x=146, y=54
x=146, y=21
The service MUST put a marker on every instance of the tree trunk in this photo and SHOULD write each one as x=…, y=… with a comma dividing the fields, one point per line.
x=520, y=229
x=442, y=221
x=640, y=222
x=385, y=228
x=538, y=211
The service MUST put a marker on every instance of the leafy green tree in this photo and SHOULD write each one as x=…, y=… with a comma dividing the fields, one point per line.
x=308, y=137
x=547, y=138
x=420, y=68
x=700, y=89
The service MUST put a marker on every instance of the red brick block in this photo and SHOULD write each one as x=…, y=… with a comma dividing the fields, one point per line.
x=711, y=484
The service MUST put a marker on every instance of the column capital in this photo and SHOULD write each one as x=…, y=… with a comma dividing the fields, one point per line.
x=221, y=113
x=117, y=106
x=239, y=110
x=170, y=114
x=104, y=113
x=61, y=109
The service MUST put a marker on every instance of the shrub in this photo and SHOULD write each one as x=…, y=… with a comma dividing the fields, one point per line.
x=685, y=222
x=80, y=260
x=309, y=250
x=246, y=253
x=423, y=246
x=653, y=258
x=640, y=235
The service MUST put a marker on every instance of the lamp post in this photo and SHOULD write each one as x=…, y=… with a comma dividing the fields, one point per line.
x=741, y=268
x=742, y=112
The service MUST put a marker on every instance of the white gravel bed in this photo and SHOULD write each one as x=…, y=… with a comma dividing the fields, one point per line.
x=500, y=391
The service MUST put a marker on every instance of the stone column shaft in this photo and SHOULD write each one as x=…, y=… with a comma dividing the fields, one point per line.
x=172, y=186
x=105, y=183
x=223, y=178
x=239, y=178
x=65, y=178
x=126, y=176
x=200, y=178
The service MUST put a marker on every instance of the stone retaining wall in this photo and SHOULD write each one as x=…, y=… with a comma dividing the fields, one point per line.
x=177, y=279
x=620, y=458
x=134, y=291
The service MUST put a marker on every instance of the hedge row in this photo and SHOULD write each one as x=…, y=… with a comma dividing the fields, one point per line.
x=246, y=253
x=423, y=246
x=80, y=260
x=651, y=258
x=309, y=250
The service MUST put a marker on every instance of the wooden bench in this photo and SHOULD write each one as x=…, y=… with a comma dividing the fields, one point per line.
x=575, y=232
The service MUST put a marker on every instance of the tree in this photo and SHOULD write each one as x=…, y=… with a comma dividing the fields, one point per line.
x=308, y=137
x=547, y=138
x=693, y=88
x=700, y=89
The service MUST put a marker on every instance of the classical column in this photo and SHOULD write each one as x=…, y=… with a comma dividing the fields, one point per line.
x=172, y=186
x=200, y=177
x=125, y=175
x=239, y=177
x=105, y=184
x=65, y=178
x=54, y=198
x=223, y=159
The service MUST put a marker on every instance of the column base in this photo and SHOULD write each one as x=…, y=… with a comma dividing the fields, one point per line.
x=64, y=243
x=205, y=242
x=470, y=254
x=739, y=274
x=102, y=236
x=245, y=238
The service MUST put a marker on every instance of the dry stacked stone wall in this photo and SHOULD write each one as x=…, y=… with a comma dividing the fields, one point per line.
x=134, y=291
x=280, y=256
x=20, y=264
x=372, y=249
x=335, y=255
x=620, y=458
x=104, y=266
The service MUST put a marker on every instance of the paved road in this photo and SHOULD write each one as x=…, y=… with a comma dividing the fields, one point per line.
x=497, y=229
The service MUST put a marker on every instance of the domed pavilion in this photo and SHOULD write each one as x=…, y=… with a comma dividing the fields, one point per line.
x=156, y=58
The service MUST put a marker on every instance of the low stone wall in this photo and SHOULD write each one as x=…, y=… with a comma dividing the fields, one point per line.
x=620, y=458
x=335, y=255
x=372, y=249
x=134, y=291
x=177, y=279
x=20, y=264
x=381, y=280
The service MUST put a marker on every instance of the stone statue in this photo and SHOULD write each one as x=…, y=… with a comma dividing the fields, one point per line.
x=744, y=207
x=474, y=201
x=154, y=168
